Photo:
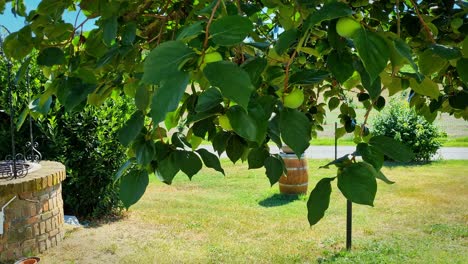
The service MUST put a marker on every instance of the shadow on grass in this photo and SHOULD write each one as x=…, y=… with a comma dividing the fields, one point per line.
x=279, y=199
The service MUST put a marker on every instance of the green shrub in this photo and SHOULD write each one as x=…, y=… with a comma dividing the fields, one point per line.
x=401, y=122
x=85, y=142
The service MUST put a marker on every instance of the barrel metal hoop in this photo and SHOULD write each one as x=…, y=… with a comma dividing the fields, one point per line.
x=294, y=185
x=296, y=168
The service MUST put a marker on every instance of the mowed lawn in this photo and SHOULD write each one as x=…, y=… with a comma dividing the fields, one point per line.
x=423, y=218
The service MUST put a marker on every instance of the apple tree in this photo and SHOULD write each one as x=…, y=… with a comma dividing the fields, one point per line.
x=242, y=73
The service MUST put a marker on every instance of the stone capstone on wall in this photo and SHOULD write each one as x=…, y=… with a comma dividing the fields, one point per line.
x=34, y=220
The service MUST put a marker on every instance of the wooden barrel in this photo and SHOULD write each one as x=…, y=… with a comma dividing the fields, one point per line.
x=297, y=179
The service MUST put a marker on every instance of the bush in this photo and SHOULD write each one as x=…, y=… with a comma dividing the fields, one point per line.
x=85, y=142
x=401, y=122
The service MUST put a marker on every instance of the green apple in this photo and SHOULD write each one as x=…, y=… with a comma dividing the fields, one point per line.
x=294, y=99
x=224, y=122
x=347, y=27
x=209, y=58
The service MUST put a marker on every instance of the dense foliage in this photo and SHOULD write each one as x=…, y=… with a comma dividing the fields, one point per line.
x=400, y=122
x=256, y=71
x=84, y=141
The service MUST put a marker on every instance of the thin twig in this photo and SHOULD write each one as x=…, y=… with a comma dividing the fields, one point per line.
x=366, y=117
x=239, y=9
x=286, y=76
x=425, y=26
x=207, y=30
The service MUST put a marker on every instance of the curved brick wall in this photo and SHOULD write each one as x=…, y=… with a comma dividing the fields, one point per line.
x=34, y=220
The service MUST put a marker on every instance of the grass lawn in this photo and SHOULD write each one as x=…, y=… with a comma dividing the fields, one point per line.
x=423, y=218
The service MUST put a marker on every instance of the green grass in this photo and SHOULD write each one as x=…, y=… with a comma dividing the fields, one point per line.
x=239, y=219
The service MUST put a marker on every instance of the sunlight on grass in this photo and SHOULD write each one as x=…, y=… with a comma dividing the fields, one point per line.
x=422, y=218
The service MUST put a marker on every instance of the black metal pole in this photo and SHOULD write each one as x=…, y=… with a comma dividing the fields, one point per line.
x=12, y=117
x=349, y=205
x=349, y=224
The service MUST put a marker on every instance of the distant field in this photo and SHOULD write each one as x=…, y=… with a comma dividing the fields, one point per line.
x=422, y=218
x=456, y=129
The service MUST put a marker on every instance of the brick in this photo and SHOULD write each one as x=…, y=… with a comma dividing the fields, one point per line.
x=44, y=197
x=33, y=220
x=42, y=226
x=53, y=241
x=48, y=244
x=54, y=232
x=48, y=225
x=51, y=204
x=54, y=222
x=29, y=243
x=55, y=211
x=38, y=184
x=37, y=230
x=44, y=182
x=29, y=232
x=46, y=216
x=43, y=237
x=50, y=181
x=45, y=206
x=42, y=246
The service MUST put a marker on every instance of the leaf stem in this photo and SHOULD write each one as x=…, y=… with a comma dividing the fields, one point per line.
x=423, y=23
x=207, y=30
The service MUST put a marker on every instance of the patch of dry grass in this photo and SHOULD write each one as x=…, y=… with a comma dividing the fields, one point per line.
x=239, y=219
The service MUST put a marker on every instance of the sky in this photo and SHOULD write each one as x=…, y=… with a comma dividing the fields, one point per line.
x=12, y=23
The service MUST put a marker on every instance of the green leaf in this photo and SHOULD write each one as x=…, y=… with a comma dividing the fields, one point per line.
x=167, y=168
x=255, y=67
x=22, y=70
x=341, y=65
x=189, y=162
x=370, y=155
x=133, y=186
x=448, y=53
x=235, y=148
x=129, y=33
x=392, y=148
x=233, y=81
x=306, y=77
x=18, y=45
x=465, y=47
x=373, y=88
x=285, y=40
x=123, y=169
x=41, y=106
x=319, y=200
x=430, y=63
x=295, y=130
x=144, y=151
x=383, y=178
x=257, y=157
x=165, y=60
x=109, y=26
x=274, y=169
x=208, y=99
x=210, y=160
x=426, y=87
x=358, y=183
x=328, y=12
x=190, y=32
x=373, y=51
x=405, y=51
x=131, y=128
x=166, y=99
x=246, y=125
x=230, y=30
x=72, y=91
x=220, y=141
x=333, y=103
x=142, y=97
x=462, y=69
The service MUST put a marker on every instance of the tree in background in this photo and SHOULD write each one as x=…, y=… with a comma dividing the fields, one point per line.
x=256, y=71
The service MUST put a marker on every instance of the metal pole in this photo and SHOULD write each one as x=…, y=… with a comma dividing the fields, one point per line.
x=349, y=224
x=12, y=117
x=349, y=205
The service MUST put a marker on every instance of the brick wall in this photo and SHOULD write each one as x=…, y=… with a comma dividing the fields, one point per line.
x=34, y=220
